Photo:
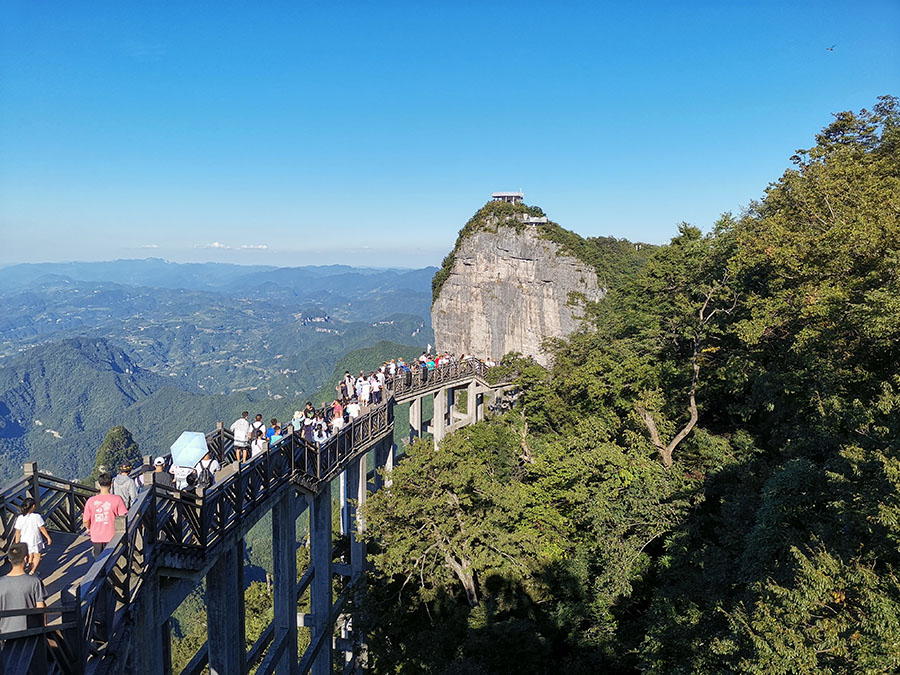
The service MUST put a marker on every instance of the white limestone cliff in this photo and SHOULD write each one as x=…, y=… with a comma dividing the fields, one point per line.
x=508, y=291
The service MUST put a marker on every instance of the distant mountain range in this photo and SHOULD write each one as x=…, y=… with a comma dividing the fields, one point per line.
x=162, y=347
x=159, y=273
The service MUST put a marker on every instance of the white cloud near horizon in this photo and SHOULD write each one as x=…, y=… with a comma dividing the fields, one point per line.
x=149, y=246
x=217, y=245
x=256, y=247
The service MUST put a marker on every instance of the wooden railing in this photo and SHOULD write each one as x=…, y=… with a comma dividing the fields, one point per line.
x=408, y=384
x=61, y=503
x=191, y=525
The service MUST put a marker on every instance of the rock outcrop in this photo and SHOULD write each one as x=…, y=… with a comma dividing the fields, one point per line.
x=507, y=288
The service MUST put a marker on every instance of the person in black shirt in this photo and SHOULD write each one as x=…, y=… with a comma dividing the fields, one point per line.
x=161, y=476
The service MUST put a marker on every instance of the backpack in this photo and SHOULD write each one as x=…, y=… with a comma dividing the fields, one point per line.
x=205, y=479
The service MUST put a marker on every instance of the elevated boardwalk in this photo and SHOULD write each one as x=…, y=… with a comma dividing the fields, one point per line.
x=111, y=615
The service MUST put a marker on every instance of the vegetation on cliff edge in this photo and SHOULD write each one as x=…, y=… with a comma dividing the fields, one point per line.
x=612, y=259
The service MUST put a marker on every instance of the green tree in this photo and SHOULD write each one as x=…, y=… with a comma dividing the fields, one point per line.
x=118, y=448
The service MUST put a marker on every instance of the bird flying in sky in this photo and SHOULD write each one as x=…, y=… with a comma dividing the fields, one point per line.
x=830, y=49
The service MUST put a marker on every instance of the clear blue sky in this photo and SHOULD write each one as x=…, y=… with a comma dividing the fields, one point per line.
x=368, y=133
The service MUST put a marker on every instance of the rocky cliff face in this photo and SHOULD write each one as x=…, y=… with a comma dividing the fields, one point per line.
x=508, y=290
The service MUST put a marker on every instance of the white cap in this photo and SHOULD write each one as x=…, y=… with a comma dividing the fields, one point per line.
x=159, y=462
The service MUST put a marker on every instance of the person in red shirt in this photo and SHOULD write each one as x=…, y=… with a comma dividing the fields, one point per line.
x=100, y=513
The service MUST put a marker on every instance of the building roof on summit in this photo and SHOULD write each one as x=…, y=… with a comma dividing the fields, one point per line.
x=507, y=194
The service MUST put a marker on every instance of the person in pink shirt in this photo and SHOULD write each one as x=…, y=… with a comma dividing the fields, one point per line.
x=100, y=513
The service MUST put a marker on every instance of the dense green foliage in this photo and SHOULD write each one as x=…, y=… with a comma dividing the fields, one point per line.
x=708, y=478
x=116, y=450
x=613, y=259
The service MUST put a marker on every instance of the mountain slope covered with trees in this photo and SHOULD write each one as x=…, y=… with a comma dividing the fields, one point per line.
x=708, y=478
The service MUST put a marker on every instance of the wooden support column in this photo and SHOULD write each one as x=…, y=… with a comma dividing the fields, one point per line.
x=225, y=631
x=320, y=587
x=472, y=402
x=284, y=553
x=34, y=489
x=151, y=633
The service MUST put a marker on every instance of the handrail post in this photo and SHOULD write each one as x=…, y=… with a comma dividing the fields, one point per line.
x=220, y=430
x=34, y=487
x=74, y=521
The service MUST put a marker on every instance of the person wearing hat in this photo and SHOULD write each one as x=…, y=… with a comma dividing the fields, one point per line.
x=123, y=486
x=160, y=475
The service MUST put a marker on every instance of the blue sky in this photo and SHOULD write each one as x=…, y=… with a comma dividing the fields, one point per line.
x=368, y=133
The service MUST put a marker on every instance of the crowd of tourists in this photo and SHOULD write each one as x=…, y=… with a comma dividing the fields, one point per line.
x=354, y=396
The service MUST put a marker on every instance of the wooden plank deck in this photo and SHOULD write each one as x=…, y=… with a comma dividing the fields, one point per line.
x=62, y=564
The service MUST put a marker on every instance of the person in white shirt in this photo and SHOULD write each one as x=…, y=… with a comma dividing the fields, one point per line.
x=353, y=409
x=259, y=444
x=241, y=430
x=337, y=423
x=207, y=462
x=258, y=424
x=30, y=530
x=181, y=473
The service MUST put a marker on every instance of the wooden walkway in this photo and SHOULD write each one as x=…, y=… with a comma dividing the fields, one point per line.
x=185, y=534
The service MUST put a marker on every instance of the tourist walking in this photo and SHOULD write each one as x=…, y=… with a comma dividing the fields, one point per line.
x=160, y=475
x=258, y=424
x=259, y=444
x=30, y=530
x=271, y=430
x=22, y=591
x=123, y=485
x=100, y=513
x=180, y=474
x=353, y=409
x=205, y=471
x=241, y=429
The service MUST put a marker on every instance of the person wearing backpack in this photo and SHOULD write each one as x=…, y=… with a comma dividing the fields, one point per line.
x=206, y=472
x=123, y=486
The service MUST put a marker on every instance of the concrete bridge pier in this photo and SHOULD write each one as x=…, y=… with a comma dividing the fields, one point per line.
x=442, y=399
x=357, y=491
x=415, y=419
x=474, y=403
x=320, y=587
x=151, y=632
x=225, y=631
x=284, y=554
x=384, y=459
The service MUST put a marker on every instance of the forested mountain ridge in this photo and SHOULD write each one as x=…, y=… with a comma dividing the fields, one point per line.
x=708, y=478
x=56, y=393
x=79, y=356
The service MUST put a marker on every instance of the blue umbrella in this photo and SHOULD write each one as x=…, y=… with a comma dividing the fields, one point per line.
x=189, y=448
